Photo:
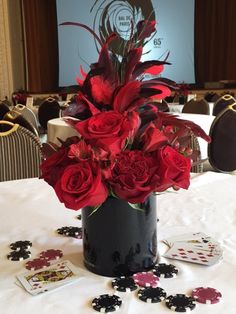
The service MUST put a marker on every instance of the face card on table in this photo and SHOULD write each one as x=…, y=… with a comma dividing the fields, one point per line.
x=48, y=278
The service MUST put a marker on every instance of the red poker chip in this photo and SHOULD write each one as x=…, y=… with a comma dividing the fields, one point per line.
x=37, y=263
x=145, y=279
x=206, y=295
x=51, y=254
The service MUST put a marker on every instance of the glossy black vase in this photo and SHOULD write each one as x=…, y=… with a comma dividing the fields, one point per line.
x=119, y=239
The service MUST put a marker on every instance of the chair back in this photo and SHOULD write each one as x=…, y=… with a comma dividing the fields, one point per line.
x=191, y=142
x=16, y=117
x=49, y=109
x=3, y=109
x=197, y=164
x=163, y=106
x=20, y=152
x=222, y=149
x=222, y=103
x=196, y=106
x=211, y=97
x=27, y=113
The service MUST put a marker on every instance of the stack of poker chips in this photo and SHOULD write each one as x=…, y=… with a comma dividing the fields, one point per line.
x=44, y=260
x=149, y=291
x=20, y=250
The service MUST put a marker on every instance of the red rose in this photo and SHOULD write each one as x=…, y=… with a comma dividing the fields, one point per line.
x=134, y=176
x=109, y=130
x=81, y=185
x=54, y=165
x=153, y=138
x=174, y=169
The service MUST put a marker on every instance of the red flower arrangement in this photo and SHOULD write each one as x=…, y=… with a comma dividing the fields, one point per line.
x=125, y=147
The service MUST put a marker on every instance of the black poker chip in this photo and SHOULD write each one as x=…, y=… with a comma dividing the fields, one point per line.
x=124, y=284
x=75, y=232
x=63, y=230
x=18, y=255
x=107, y=303
x=21, y=245
x=180, y=303
x=165, y=270
x=79, y=217
x=152, y=295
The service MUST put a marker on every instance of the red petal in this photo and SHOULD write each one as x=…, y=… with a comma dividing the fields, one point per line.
x=133, y=58
x=126, y=95
x=163, y=91
x=155, y=69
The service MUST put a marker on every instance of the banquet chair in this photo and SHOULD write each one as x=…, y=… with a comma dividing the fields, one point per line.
x=196, y=106
x=211, y=97
x=3, y=109
x=16, y=117
x=20, y=152
x=27, y=113
x=222, y=103
x=197, y=165
x=49, y=109
x=163, y=106
x=222, y=149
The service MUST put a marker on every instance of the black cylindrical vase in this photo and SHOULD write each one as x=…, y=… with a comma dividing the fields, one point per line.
x=119, y=239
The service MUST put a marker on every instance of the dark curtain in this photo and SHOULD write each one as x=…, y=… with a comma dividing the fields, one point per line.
x=215, y=40
x=41, y=44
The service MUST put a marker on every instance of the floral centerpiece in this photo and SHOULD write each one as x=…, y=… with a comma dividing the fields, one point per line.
x=125, y=149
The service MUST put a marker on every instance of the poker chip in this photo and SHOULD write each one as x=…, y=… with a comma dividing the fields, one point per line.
x=152, y=295
x=79, y=217
x=124, y=284
x=21, y=245
x=206, y=295
x=37, y=263
x=180, y=303
x=165, y=270
x=75, y=232
x=63, y=230
x=106, y=303
x=145, y=279
x=18, y=255
x=51, y=254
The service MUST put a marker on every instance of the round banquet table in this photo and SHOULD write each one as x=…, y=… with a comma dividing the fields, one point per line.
x=58, y=128
x=30, y=211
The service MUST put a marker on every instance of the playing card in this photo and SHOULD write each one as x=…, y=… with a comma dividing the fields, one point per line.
x=48, y=278
x=195, y=248
x=195, y=237
x=193, y=254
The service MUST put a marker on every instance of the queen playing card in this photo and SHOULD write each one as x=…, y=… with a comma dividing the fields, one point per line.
x=48, y=278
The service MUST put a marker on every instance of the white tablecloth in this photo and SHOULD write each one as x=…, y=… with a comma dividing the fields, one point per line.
x=30, y=210
x=58, y=128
